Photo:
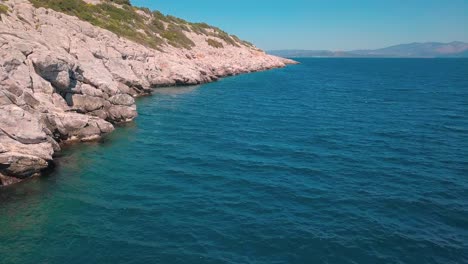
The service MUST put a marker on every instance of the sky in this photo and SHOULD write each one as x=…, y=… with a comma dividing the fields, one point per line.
x=326, y=24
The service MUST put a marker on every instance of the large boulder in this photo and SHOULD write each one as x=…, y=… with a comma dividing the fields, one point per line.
x=122, y=99
x=6, y=180
x=57, y=70
x=21, y=165
x=74, y=126
x=120, y=114
x=87, y=89
x=21, y=160
x=20, y=125
x=84, y=103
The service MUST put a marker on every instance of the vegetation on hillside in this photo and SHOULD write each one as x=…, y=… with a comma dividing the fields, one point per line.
x=175, y=36
x=150, y=28
x=3, y=9
x=122, y=19
x=215, y=44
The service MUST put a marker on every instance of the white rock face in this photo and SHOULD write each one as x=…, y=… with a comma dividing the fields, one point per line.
x=63, y=79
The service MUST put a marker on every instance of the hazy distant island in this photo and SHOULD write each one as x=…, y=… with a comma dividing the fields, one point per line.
x=69, y=71
x=455, y=49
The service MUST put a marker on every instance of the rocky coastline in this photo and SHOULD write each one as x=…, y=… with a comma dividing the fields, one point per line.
x=64, y=80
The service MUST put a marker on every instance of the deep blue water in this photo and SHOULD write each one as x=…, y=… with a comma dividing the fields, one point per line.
x=330, y=161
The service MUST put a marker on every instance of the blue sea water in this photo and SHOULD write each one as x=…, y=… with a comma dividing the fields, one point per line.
x=329, y=161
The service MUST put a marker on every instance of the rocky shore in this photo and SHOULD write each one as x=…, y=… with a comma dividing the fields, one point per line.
x=63, y=79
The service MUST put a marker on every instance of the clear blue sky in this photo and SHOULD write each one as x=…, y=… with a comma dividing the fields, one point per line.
x=326, y=24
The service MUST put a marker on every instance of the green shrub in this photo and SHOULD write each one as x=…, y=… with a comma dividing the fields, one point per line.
x=175, y=37
x=3, y=9
x=185, y=27
x=160, y=16
x=145, y=10
x=176, y=20
x=226, y=37
x=215, y=44
x=243, y=42
x=157, y=26
x=200, y=28
x=121, y=2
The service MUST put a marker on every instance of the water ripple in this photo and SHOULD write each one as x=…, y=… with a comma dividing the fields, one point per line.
x=330, y=161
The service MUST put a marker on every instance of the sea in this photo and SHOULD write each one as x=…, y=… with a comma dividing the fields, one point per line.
x=329, y=161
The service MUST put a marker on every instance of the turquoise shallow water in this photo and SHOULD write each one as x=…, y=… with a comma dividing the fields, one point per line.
x=330, y=161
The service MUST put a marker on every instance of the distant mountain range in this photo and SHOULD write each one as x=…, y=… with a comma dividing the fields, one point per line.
x=456, y=49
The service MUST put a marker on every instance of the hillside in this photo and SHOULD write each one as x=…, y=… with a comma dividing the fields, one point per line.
x=70, y=70
x=149, y=28
x=454, y=49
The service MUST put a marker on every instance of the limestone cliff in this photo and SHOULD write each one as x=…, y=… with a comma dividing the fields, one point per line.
x=63, y=79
